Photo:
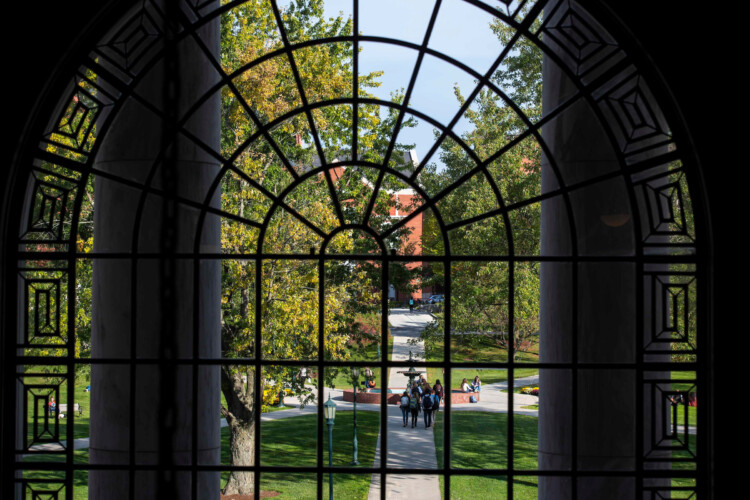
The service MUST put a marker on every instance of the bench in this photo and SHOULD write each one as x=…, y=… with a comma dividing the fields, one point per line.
x=64, y=409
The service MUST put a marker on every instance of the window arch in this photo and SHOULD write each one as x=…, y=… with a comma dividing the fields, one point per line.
x=55, y=183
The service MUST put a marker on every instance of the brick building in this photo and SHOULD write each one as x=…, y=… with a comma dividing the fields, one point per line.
x=404, y=199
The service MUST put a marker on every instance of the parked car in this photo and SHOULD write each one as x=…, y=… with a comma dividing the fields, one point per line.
x=434, y=299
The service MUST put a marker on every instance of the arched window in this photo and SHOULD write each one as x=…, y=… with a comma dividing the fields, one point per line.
x=236, y=207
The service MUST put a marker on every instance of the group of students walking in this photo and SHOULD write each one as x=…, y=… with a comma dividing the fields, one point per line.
x=421, y=398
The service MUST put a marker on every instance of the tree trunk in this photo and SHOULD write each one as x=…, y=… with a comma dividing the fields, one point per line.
x=240, y=416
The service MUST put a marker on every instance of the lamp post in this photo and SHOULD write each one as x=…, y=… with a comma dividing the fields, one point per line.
x=355, y=381
x=329, y=411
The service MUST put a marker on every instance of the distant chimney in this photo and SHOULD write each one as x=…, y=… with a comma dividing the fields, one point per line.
x=410, y=160
x=298, y=138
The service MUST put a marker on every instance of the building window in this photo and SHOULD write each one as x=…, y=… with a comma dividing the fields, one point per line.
x=266, y=203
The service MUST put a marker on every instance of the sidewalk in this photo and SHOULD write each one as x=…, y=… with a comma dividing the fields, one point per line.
x=407, y=447
x=494, y=399
x=404, y=327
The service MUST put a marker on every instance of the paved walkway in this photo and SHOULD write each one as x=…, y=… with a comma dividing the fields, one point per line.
x=404, y=327
x=407, y=447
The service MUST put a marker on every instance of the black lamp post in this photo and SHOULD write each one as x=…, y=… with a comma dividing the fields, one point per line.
x=355, y=381
x=329, y=411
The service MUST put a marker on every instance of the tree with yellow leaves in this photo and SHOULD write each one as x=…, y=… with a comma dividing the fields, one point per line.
x=283, y=211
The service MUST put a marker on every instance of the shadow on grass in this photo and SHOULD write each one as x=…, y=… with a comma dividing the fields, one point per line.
x=293, y=441
x=479, y=441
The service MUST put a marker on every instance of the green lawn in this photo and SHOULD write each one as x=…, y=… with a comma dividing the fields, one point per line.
x=80, y=477
x=692, y=416
x=478, y=441
x=303, y=486
x=486, y=375
x=295, y=438
x=481, y=350
x=272, y=409
x=282, y=441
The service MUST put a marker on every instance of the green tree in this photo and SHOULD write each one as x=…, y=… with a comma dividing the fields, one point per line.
x=288, y=300
x=481, y=291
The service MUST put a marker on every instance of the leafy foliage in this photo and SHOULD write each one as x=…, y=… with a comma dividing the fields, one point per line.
x=481, y=291
x=280, y=294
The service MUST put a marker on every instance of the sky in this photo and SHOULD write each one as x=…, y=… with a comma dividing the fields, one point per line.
x=461, y=31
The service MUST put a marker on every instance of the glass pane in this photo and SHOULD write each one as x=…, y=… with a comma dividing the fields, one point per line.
x=278, y=445
x=398, y=485
x=412, y=433
x=355, y=428
x=238, y=294
x=466, y=487
x=238, y=432
x=289, y=295
x=290, y=485
x=479, y=419
x=353, y=309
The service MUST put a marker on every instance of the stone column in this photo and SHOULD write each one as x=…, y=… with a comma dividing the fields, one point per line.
x=604, y=302
x=126, y=291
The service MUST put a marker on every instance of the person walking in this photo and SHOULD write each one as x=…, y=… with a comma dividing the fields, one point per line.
x=416, y=388
x=411, y=304
x=405, y=399
x=438, y=389
x=414, y=407
x=438, y=393
x=427, y=404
